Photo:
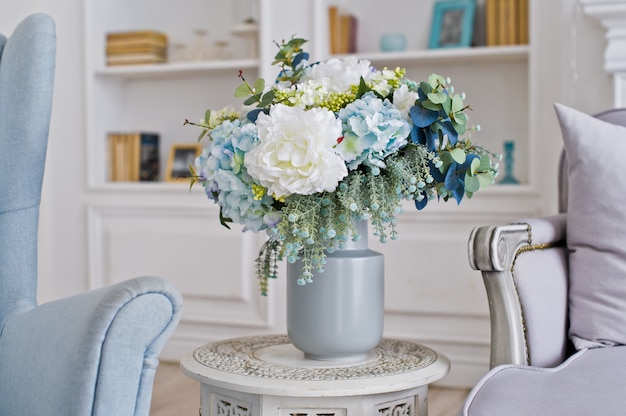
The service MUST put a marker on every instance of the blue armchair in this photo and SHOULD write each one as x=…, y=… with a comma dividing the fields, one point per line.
x=91, y=354
x=557, y=287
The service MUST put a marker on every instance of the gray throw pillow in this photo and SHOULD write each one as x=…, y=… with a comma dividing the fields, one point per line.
x=596, y=228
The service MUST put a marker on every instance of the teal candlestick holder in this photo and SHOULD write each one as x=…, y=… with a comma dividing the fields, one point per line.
x=509, y=163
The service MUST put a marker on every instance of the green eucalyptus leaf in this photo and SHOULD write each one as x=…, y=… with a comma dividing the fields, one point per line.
x=207, y=116
x=425, y=87
x=485, y=178
x=259, y=85
x=472, y=183
x=267, y=99
x=435, y=80
x=242, y=91
x=202, y=134
x=438, y=97
x=297, y=42
x=446, y=159
x=431, y=106
x=460, y=128
x=279, y=58
x=457, y=103
x=251, y=100
x=458, y=155
x=485, y=163
x=474, y=166
x=447, y=105
x=460, y=118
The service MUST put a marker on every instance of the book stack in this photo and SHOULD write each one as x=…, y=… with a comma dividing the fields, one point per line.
x=133, y=156
x=138, y=47
x=342, y=31
x=506, y=22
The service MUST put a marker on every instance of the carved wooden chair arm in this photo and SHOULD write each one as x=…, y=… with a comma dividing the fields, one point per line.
x=493, y=250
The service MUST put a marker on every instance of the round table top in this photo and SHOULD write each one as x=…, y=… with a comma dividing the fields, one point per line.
x=272, y=365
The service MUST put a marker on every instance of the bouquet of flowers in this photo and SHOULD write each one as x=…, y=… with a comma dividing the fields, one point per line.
x=333, y=142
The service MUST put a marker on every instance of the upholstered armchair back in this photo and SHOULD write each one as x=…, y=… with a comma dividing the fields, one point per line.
x=94, y=353
x=27, y=64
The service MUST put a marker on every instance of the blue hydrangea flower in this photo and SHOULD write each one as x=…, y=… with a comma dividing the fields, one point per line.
x=372, y=129
x=226, y=180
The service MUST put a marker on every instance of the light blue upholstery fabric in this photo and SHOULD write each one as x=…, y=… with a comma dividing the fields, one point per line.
x=91, y=354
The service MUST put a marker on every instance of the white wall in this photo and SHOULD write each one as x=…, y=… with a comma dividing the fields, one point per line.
x=66, y=184
x=586, y=86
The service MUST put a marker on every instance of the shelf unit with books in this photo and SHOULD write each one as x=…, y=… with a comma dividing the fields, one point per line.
x=483, y=72
x=158, y=97
x=195, y=85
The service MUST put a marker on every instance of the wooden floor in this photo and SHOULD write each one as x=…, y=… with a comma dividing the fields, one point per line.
x=175, y=394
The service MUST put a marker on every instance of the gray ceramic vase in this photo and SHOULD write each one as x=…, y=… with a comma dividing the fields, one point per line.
x=339, y=316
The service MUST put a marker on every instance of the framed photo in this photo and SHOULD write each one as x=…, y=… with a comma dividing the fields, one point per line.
x=453, y=24
x=180, y=157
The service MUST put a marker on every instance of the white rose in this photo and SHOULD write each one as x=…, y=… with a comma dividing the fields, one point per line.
x=294, y=153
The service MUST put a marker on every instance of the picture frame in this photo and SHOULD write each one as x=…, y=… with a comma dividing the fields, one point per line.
x=452, y=24
x=178, y=161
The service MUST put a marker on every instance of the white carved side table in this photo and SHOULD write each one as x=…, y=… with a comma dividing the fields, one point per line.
x=266, y=375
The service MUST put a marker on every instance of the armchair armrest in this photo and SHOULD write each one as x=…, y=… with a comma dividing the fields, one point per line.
x=513, y=295
x=103, y=344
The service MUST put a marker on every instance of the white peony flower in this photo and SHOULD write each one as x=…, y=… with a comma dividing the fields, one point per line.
x=294, y=153
x=404, y=99
x=337, y=75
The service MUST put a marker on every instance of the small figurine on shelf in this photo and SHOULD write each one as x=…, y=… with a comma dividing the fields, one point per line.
x=178, y=52
x=509, y=162
x=248, y=30
x=201, y=49
x=221, y=49
x=392, y=42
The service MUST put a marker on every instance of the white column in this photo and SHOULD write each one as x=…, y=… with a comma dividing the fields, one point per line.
x=612, y=15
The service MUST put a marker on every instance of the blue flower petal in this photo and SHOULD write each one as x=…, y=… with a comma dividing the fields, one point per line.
x=254, y=114
x=421, y=204
x=448, y=128
x=454, y=183
x=436, y=173
x=468, y=161
x=431, y=139
x=423, y=117
x=418, y=136
x=303, y=56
